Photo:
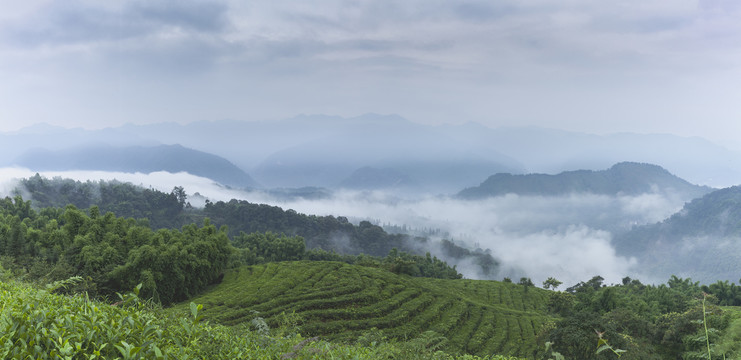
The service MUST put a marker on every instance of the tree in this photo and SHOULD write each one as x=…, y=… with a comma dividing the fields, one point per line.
x=551, y=283
x=16, y=242
x=180, y=194
x=595, y=282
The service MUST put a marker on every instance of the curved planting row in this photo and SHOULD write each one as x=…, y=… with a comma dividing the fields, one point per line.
x=340, y=302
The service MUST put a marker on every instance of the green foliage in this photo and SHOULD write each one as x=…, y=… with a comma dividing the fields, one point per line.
x=525, y=281
x=551, y=283
x=160, y=210
x=641, y=321
x=603, y=345
x=260, y=248
x=332, y=233
x=163, y=210
x=110, y=254
x=39, y=325
x=550, y=354
x=343, y=302
x=95, y=253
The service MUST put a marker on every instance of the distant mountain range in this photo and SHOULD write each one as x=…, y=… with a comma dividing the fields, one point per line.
x=551, y=151
x=624, y=178
x=335, y=152
x=131, y=159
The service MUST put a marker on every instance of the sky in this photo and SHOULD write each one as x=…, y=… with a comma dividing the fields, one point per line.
x=646, y=66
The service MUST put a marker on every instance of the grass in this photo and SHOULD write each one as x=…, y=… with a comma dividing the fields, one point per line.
x=730, y=340
x=340, y=302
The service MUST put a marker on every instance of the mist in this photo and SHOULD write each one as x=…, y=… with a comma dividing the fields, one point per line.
x=567, y=237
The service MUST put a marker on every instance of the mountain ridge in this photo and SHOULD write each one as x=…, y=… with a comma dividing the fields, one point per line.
x=701, y=240
x=340, y=145
x=624, y=178
x=146, y=159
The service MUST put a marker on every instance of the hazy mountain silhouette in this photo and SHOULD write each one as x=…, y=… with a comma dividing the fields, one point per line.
x=551, y=151
x=624, y=178
x=320, y=150
x=426, y=156
x=369, y=178
x=170, y=158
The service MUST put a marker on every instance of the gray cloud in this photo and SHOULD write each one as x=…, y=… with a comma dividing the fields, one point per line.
x=75, y=22
x=630, y=66
x=482, y=11
x=199, y=16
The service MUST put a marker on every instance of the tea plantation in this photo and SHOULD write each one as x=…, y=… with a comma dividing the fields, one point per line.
x=341, y=302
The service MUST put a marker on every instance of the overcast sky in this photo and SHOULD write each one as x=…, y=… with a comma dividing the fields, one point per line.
x=669, y=66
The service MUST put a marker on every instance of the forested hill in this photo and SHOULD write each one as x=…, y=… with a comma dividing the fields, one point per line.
x=717, y=214
x=623, y=178
x=171, y=210
x=701, y=239
x=170, y=158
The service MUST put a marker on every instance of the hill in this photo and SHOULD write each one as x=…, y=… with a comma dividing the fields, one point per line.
x=166, y=210
x=340, y=302
x=144, y=159
x=703, y=240
x=624, y=178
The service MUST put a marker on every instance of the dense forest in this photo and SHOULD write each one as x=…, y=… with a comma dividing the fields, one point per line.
x=114, y=254
x=172, y=211
x=230, y=256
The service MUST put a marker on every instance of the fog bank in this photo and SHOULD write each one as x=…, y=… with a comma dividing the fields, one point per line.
x=567, y=237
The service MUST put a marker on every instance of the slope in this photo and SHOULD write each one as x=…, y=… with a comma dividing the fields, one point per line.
x=421, y=154
x=340, y=302
x=145, y=159
x=702, y=241
x=623, y=178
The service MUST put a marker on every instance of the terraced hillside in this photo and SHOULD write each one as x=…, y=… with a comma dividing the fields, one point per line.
x=340, y=301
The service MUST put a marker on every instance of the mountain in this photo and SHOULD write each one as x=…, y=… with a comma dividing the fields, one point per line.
x=543, y=150
x=170, y=158
x=324, y=151
x=420, y=153
x=703, y=240
x=624, y=178
x=369, y=178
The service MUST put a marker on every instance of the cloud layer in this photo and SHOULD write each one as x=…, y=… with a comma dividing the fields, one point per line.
x=656, y=66
x=567, y=237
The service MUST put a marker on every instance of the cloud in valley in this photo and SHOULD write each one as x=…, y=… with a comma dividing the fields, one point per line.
x=567, y=237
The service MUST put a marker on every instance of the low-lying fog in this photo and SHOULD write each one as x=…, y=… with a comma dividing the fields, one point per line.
x=567, y=237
